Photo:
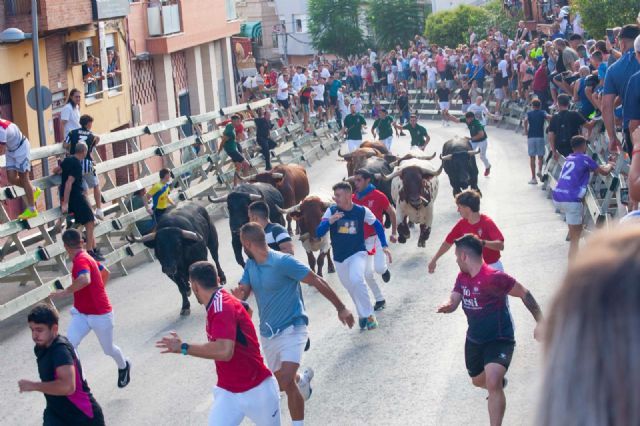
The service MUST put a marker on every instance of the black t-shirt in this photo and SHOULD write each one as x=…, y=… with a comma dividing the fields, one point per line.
x=78, y=408
x=263, y=128
x=80, y=135
x=403, y=103
x=443, y=94
x=536, y=120
x=464, y=95
x=560, y=67
x=71, y=166
x=565, y=125
x=276, y=234
x=448, y=72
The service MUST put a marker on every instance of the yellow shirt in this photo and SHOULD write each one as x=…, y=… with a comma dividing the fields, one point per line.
x=159, y=192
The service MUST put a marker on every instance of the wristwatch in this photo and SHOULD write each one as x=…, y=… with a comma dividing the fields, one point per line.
x=184, y=348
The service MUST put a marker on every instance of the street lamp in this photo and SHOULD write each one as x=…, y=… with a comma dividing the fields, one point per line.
x=15, y=35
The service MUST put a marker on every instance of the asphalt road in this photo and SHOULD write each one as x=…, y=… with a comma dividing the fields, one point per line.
x=410, y=371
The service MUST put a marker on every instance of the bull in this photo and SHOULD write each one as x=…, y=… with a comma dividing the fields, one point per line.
x=238, y=201
x=308, y=215
x=460, y=165
x=414, y=187
x=181, y=238
x=292, y=182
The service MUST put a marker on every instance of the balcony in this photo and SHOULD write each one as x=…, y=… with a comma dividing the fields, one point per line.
x=52, y=14
x=164, y=18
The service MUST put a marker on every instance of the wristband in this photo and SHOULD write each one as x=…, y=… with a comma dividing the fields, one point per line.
x=184, y=348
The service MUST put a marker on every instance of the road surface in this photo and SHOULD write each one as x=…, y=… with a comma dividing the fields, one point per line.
x=410, y=371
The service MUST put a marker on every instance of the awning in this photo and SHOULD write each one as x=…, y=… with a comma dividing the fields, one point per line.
x=252, y=30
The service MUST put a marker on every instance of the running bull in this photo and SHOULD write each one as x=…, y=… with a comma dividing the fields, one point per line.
x=308, y=214
x=414, y=187
x=458, y=158
x=181, y=238
x=238, y=201
x=292, y=182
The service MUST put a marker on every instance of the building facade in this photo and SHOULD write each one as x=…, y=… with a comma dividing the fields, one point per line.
x=294, y=39
x=259, y=22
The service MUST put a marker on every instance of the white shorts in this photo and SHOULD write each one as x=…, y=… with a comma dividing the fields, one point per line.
x=260, y=404
x=444, y=105
x=287, y=346
x=573, y=211
x=353, y=144
x=387, y=142
x=20, y=159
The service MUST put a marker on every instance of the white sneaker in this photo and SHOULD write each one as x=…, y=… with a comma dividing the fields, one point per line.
x=305, y=383
x=99, y=214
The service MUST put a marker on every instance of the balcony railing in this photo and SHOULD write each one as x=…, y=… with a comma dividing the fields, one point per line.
x=164, y=18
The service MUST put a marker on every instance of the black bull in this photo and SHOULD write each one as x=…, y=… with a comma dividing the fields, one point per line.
x=460, y=165
x=238, y=201
x=182, y=238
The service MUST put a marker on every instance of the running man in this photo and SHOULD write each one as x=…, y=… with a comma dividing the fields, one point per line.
x=91, y=306
x=534, y=128
x=230, y=146
x=277, y=236
x=345, y=221
x=274, y=278
x=17, y=151
x=383, y=124
x=478, y=135
x=69, y=399
x=473, y=222
x=419, y=135
x=245, y=385
x=368, y=196
x=490, y=340
x=159, y=194
x=353, y=124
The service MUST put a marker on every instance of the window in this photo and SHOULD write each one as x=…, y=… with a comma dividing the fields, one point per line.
x=91, y=72
x=231, y=10
x=300, y=23
x=112, y=67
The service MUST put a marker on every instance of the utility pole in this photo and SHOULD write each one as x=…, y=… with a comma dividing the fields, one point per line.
x=285, y=43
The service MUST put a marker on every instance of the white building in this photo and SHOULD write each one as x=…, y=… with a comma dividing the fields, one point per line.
x=440, y=5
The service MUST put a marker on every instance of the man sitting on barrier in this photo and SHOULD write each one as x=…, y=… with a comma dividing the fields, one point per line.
x=230, y=146
x=15, y=146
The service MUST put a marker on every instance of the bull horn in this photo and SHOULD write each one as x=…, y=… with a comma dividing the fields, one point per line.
x=446, y=157
x=427, y=157
x=188, y=235
x=216, y=200
x=391, y=176
x=424, y=200
x=277, y=175
x=149, y=237
x=476, y=152
x=431, y=172
x=255, y=197
x=289, y=210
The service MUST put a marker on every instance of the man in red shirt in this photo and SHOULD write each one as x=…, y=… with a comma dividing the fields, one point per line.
x=91, y=306
x=368, y=196
x=473, y=222
x=540, y=85
x=246, y=387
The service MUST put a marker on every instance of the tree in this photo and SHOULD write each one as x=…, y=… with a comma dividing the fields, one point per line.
x=334, y=26
x=598, y=15
x=394, y=21
x=449, y=27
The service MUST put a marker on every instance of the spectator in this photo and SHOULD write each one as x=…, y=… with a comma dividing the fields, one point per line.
x=634, y=171
x=591, y=338
x=540, y=85
x=565, y=125
x=534, y=128
x=572, y=187
x=70, y=113
x=580, y=97
x=282, y=96
x=113, y=69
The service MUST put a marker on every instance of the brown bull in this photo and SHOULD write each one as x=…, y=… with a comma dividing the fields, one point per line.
x=308, y=215
x=292, y=182
x=356, y=159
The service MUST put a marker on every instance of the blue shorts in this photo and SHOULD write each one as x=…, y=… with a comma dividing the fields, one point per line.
x=536, y=147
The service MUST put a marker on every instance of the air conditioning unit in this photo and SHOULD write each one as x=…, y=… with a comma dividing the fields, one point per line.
x=78, y=52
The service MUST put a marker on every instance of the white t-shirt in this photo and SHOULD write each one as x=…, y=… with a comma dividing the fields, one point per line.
x=358, y=103
x=295, y=82
x=72, y=117
x=390, y=78
x=373, y=56
x=431, y=73
x=10, y=135
x=319, y=92
x=480, y=111
x=283, y=91
x=503, y=66
x=325, y=73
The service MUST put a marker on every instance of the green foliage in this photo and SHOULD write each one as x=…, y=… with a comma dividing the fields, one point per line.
x=334, y=27
x=449, y=28
x=598, y=15
x=394, y=21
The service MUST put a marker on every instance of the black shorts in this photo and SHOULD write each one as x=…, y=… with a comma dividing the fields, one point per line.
x=476, y=356
x=627, y=144
x=50, y=418
x=235, y=156
x=157, y=214
x=318, y=104
x=526, y=84
x=82, y=212
x=284, y=103
x=333, y=100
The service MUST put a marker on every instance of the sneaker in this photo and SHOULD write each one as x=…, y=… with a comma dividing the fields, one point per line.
x=99, y=214
x=403, y=134
x=96, y=255
x=124, y=375
x=29, y=213
x=533, y=182
x=304, y=384
x=380, y=305
x=487, y=171
x=539, y=174
x=36, y=194
x=372, y=322
x=362, y=322
x=386, y=276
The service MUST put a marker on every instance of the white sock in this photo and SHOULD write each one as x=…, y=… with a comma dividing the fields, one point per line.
x=297, y=423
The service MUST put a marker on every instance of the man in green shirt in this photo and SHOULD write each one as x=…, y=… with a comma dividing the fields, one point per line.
x=383, y=124
x=478, y=135
x=230, y=146
x=353, y=124
x=419, y=135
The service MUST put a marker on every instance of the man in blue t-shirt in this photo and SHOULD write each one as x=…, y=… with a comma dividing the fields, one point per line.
x=274, y=278
x=534, y=128
x=334, y=85
x=572, y=187
x=346, y=221
x=631, y=105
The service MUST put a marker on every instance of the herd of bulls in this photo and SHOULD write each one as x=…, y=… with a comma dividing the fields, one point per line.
x=184, y=234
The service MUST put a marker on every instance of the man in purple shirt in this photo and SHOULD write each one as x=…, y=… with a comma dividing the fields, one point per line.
x=572, y=187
